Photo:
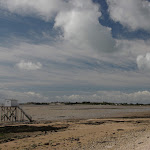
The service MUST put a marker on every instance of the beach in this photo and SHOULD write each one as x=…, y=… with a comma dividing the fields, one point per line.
x=116, y=128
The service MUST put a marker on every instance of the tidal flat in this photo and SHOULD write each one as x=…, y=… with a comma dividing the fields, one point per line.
x=63, y=112
x=79, y=127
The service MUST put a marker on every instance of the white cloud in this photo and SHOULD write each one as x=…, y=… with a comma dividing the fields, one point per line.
x=22, y=96
x=66, y=65
x=134, y=14
x=71, y=61
x=29, y=65
x=78, y=20
x=109, y=96
x=45, y=9
x=99, y=96
x=80, y=26
x=36, y=95
x=133, y=47
x=143, y=62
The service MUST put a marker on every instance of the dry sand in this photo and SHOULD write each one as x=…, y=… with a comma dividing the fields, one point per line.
x=85, y=134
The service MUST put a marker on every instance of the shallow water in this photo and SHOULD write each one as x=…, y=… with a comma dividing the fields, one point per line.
x=62, y=112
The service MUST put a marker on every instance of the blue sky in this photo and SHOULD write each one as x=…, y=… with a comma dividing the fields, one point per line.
x=32, y=27
x=65, y=50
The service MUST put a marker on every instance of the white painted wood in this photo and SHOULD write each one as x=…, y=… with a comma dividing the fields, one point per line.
x=10, y=102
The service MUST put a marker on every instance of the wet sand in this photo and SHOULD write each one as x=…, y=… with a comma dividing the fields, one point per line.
x=128, y=130
x=63, y=112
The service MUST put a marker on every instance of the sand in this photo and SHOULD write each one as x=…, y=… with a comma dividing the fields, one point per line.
x=63, y=112
x=130, y=133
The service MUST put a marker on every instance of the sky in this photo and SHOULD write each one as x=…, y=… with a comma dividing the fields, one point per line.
x=75, y=50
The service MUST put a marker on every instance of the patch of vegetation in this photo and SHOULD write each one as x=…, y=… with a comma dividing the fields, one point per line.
x=37, y=103
x=86, y=103
x=27, y=128
x=1, y=134
x=94, y=123
x=103, y=103
x=11, y=133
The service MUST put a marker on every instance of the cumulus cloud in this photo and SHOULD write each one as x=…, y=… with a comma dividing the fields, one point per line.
x=36, y=95
x=99, y=96
x=29, y=65
x=22, y=96
x=143, y=62
x=134, y=14
x=78, y=20
x=80, y=26
x=109, y=96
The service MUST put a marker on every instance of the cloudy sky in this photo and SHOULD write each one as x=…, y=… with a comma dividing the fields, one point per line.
x=75, y=50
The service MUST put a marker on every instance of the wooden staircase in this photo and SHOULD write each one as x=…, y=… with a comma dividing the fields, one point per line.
x=27, y=116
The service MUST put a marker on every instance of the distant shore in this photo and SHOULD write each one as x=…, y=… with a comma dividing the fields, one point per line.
x=84, y=103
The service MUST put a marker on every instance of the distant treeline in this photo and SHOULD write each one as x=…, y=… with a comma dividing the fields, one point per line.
x=102, y=103
x=85, y=103
x=37, y=103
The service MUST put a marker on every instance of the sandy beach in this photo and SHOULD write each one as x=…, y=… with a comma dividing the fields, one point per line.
x=121, y=132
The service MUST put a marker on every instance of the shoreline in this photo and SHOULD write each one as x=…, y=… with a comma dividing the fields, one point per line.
x=128, y=130
x=65, y=112
x=97, y=134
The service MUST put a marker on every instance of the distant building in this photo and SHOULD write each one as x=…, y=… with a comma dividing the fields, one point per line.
x=11, y=102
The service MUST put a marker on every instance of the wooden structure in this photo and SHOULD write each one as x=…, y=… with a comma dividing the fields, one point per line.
x=11, y=102
x=11, y=112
